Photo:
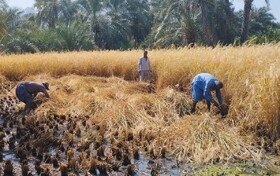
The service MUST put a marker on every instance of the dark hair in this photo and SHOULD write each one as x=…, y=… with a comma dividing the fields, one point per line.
x=220, y=84
x=46, y=85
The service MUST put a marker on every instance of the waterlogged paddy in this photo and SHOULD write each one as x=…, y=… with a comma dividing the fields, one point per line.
x=100, y=126
x=141, y=166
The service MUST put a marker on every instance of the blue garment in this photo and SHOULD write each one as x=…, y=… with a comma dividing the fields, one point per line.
x=22, y=94
x=202, y=85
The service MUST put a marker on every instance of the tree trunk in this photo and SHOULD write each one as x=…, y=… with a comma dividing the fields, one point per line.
x=246, y=18
x=188, y=25
x=207, y=24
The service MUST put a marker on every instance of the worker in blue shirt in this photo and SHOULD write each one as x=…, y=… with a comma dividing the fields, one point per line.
x=202, y=85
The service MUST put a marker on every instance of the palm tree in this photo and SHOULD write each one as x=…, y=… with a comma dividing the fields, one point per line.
x=140, y=19
x=90, y=12
x=174, y=23
x=17, y=42
x=184, y=22
x=246, y=19
x=118, y=25
x=225, y=25
x=48, y=11
x=113, y=23
x=9, y=19
x=189, y=26
x=73, y=36
x=207, y=8
x=3, y=6
x=68, y=11
x=260, y=21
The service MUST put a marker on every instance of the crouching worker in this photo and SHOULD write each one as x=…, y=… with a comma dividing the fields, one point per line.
x=27, y=91
x=202, y=85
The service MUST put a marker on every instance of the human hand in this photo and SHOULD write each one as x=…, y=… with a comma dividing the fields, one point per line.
x=192, y=110
x=223, y=111
x=216, y=104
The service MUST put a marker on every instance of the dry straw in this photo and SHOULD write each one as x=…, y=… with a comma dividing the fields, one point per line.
x=251, y=76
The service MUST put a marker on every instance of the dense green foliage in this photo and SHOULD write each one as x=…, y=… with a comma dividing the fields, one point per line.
x=67, y=25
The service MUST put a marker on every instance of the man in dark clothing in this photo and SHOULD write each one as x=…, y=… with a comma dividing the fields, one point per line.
x=27, y=91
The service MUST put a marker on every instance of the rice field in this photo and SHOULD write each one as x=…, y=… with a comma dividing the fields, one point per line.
x=101, y=120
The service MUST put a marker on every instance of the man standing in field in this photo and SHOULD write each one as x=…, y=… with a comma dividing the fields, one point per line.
x=27, y=91
x=202, y=85
x=144, y=68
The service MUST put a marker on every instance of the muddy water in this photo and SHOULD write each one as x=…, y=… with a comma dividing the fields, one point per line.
x=164, y=166
x=143, y=166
